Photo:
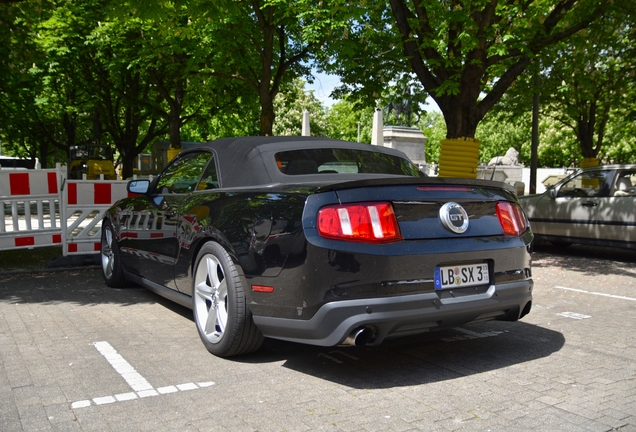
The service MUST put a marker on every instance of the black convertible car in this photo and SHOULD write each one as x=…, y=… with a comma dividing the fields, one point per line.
x=318, y=241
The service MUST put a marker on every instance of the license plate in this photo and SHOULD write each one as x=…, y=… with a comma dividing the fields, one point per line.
x=460, y=276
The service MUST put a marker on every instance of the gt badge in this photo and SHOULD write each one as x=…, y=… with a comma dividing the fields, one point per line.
x=454, y=217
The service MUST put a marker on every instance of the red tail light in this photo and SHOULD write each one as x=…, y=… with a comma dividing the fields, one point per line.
x=365, y=222
x=512, y=219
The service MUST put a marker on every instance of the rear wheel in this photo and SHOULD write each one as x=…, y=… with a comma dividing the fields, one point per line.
x=223, y=320
x=112, y=270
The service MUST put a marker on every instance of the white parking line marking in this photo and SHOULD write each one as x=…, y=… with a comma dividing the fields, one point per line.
x=132, y=377
x=596, y=293
x=574, y=315
x=188, y=386
x=126, y=396
x=168, y=389
x=138, y=383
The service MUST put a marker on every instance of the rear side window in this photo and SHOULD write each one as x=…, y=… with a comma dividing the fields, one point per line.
x=343, y=161
x=625, y=184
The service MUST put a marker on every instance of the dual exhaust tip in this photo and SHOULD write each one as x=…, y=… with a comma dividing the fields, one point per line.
x=360, y=336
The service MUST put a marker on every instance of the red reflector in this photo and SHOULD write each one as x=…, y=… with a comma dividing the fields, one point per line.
x=366, y=222
x=512, y=219
x=262, y=288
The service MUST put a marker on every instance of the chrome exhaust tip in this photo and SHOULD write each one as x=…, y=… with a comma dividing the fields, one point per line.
x=359, y=337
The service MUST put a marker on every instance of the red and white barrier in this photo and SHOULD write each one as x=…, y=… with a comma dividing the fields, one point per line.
x=30, y=208
x=21, y=183
x=85, y=202
x=43, y=208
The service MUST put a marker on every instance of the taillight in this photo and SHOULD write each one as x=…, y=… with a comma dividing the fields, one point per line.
x=365, y=222
x=512, y=219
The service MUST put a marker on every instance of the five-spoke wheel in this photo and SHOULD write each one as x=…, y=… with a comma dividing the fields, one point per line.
x=112, y=270
x=210, y=298
x=221, y=314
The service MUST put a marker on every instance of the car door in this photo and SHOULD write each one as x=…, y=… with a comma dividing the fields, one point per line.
x=617, y=211
x=154, y=233
x=572, y=209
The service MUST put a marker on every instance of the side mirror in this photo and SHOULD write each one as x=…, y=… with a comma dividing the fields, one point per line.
x=138, y=186
x=553, y=193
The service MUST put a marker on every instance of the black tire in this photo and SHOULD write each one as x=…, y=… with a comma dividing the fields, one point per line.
x=223, y=320
x=112, y=269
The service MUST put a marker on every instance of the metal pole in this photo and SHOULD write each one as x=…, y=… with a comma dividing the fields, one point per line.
x=534, y=156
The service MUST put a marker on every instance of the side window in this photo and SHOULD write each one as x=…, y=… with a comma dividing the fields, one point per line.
x=183, y=173
x=209, y=179
x=624, y=184
x=586, y=184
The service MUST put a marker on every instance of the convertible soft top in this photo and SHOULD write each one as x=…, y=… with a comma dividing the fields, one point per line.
x=250, y=161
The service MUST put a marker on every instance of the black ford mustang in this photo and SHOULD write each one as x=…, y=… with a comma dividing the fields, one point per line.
x=318, y=241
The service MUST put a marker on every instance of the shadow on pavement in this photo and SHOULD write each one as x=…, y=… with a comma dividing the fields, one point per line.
x=77, y=286
x=421, y=359
x=597, y=260
x=433, y=357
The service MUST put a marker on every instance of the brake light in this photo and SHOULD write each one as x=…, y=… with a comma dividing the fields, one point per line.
x=364, y=222
x=512, y=219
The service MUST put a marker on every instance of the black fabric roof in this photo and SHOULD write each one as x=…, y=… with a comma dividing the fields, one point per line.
x=246, y=161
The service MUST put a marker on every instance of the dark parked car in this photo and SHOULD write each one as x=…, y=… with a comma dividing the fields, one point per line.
x=318, y=241
x=596, y=206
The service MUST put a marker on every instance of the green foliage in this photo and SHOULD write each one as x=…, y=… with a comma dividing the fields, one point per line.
x=586, y=89
x=290, y=104
x=128, y=73
x=343, y=119
x=433, y=126
x=465, y=53
x=497, y=135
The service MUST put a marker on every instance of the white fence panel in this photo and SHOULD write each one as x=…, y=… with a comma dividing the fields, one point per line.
x=85, y=202
x=44, y=208
x=30, y=208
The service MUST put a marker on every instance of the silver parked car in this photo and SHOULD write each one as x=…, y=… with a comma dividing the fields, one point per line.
x=592, y=206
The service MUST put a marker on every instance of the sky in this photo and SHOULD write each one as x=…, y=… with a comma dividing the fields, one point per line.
x=322, y=87
x=324, y=84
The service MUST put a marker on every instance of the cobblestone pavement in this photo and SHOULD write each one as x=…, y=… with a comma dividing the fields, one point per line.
x=77, y=356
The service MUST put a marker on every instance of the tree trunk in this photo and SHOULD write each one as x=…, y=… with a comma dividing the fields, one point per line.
x=461, y=116
x=128, y=163
x=97, y=126
x=127, y=147
x=174, y=125
x=267, y=115
x=586, y=125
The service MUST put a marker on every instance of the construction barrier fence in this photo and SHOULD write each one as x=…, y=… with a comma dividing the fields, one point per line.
x=43, y=208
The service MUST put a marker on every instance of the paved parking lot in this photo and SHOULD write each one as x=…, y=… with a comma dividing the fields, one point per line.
x=75, y=355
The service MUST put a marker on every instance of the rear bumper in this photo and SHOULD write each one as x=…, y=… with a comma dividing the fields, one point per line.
x=400, y=316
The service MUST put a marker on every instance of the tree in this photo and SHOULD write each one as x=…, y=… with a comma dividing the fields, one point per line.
x=466, y=53
x=592, y=81
x=586, y=86
x=260, y=43
x=434, y=128
x=179, y=61
x=347, y=120
x=46, y=103
x=124, y=92
x=289, y=106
